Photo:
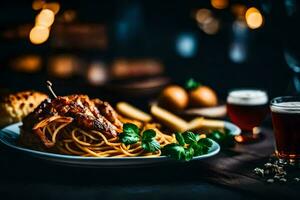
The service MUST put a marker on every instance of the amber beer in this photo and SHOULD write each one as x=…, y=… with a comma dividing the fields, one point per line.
x=247, y=108
x=286, y=124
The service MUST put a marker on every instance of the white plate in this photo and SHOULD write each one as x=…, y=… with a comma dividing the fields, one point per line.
x=10, y=134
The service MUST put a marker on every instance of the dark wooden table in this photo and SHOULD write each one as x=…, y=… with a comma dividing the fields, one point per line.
x=227, y=175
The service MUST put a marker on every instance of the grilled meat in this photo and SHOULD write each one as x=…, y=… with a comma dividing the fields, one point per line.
x=108, y=112
x=87, y=114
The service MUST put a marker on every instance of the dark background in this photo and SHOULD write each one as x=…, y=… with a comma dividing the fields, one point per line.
x=152, y=29
x=142, y=29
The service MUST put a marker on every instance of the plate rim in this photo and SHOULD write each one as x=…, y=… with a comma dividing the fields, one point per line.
x=82, y=158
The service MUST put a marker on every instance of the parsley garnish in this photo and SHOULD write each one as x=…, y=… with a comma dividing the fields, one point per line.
x=191, y=84
x=131, y=135
x=149, y=142
x=175, y=151
x=224, y=139
x=188, y=145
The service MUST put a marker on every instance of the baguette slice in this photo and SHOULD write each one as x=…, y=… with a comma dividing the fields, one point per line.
x=14, y=107
x=174, y=122
x=132, y=112
x=201, y=122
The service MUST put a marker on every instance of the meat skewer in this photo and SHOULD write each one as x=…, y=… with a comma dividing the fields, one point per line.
x=79, y=109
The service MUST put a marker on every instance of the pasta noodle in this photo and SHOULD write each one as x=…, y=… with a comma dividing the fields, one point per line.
x=72, y=140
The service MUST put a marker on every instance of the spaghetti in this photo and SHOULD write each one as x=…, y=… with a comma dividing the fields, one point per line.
x=69, y=139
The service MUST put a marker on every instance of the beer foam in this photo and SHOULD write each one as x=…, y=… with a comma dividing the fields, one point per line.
x=247, y=97
x=286, y=107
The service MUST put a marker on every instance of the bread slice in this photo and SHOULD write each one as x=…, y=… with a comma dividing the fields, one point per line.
x=14, y=107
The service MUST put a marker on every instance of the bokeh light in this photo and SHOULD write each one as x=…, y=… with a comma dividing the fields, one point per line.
x=54, y=6
x=186, y=45
x=97, y=74
x=219, y=4
x=63, y=66
x=39, y=34
x=254, y=18
x=45, y=18
x=211, y=27
x=237, y=52
x=69, y=16
x=239, y=10
x=27, y=63
x=38, y=4
x=202, y=15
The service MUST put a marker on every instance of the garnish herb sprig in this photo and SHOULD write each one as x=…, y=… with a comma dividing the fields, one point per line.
x=188, y=145
x=131, y=135
x=191, y=84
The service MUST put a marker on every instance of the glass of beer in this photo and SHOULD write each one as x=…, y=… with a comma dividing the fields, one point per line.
x=247, y=108
x=286, y=123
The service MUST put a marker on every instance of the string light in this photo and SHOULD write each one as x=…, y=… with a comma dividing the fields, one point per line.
x=254, y=18
x=39, y=34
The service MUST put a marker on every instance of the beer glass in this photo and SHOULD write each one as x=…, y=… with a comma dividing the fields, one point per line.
x=286, y=123
x=247, y=108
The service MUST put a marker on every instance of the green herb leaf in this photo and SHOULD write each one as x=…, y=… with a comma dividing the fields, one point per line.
x=224, y=139
x=206, y=142
x=131, y=128
x=151, y=146
x=174, y=151
x=191, y=84
x=130, y=134
x=198, y=149
x=180, y=139
x=129, y=138
x=149, y=142
x=190, y=137
x=189, y=153
x=189, y=145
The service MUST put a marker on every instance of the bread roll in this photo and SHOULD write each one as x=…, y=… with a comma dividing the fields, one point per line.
x=14, y=107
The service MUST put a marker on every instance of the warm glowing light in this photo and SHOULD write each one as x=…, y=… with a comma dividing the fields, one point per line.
x=63, y=66
x=211, y=27
x=219, y=4
x=39, y=34
x=69, y=15
x=239, y=10
x=254, y=18
x=27, y=63
x=45, y=18
x=97, y=74
x=54, y=6
x=202, y=15
x=239, y=138
x=37, y=4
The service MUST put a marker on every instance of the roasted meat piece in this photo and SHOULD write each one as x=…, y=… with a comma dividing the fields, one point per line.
x=85, y=113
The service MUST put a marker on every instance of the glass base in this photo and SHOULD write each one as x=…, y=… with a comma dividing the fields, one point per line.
x=289, y=162
x=285, y=162
x=250, y=137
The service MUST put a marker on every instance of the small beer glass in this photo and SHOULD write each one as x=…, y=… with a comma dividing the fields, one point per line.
x=286, y=124
x=247, y=108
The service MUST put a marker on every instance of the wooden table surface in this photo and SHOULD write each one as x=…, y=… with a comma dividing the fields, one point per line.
x=227, y=175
